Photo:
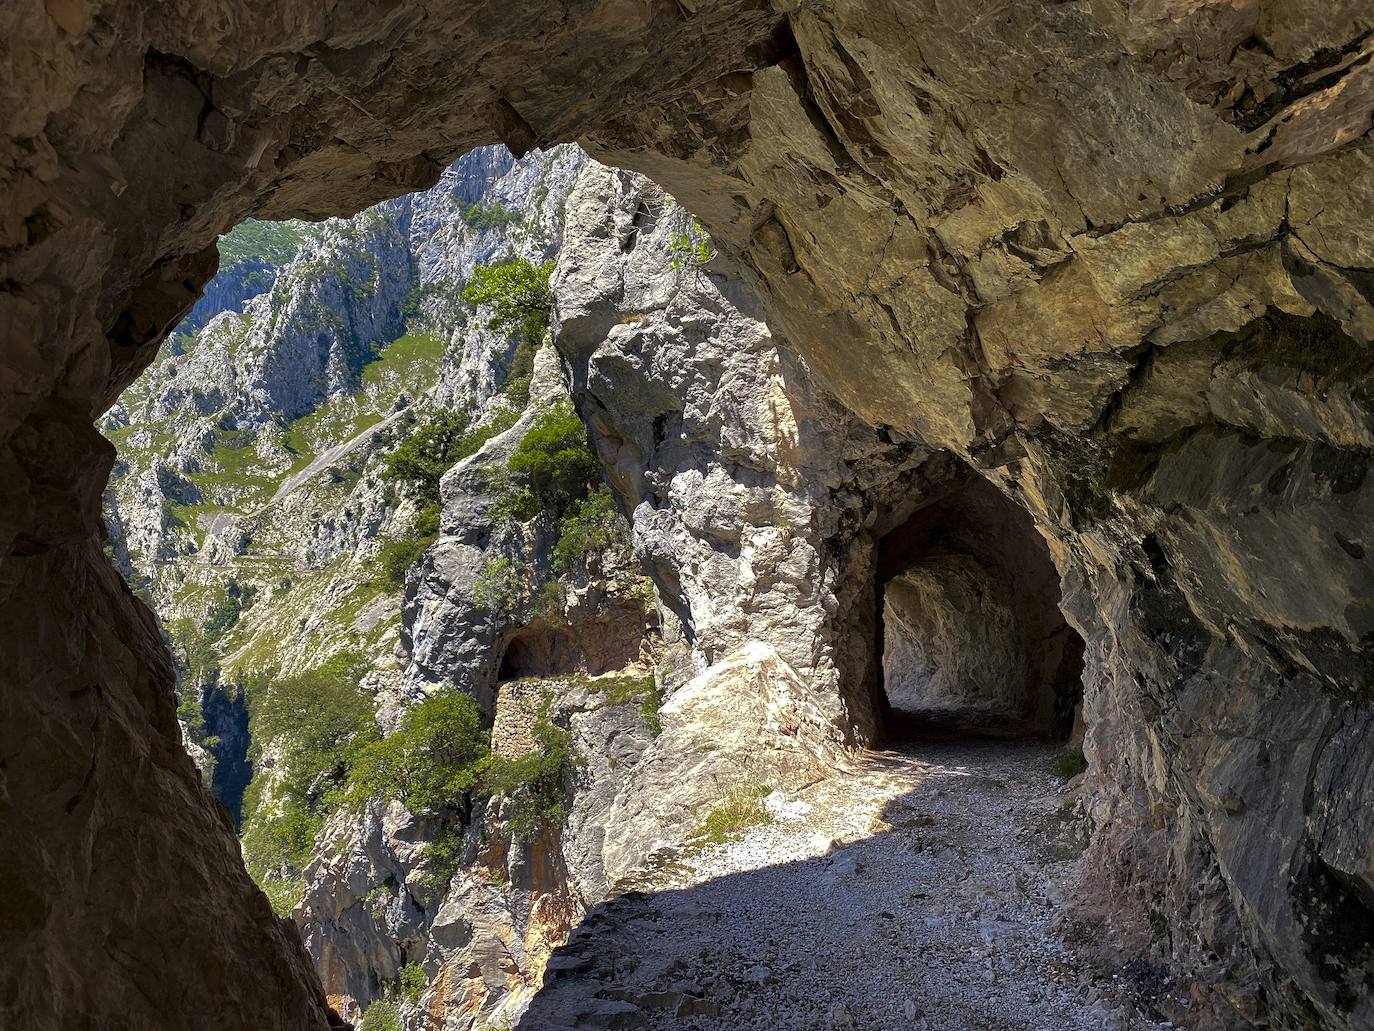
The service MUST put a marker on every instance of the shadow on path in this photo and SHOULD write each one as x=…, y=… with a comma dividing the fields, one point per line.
x=938, y=916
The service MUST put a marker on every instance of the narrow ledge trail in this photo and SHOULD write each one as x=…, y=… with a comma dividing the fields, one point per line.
x=915, y=890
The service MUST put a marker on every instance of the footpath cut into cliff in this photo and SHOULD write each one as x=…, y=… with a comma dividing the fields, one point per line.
x=919, y=888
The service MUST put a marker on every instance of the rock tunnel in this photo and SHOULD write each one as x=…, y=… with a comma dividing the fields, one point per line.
x=969, y=629
x=1115, y=255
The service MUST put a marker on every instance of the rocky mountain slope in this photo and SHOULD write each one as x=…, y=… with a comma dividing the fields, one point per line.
x=256, y=509
x=323, y=611
x=248, y=503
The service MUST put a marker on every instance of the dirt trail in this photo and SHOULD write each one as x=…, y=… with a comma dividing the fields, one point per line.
x=332, y=455
x=917, y=890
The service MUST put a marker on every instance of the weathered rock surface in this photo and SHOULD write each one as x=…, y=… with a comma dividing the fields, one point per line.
x=744, y=481
x=1115, y=256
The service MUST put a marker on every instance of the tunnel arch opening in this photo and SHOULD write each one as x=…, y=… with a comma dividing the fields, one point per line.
x=590, y=647
x=969, y=636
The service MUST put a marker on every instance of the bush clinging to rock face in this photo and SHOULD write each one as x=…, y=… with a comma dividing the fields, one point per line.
x=383, y=1015
x=591, y=524
x=552, y=467
x=430, y=763
x=517, y=292
x=428, y=452
x=537, y=782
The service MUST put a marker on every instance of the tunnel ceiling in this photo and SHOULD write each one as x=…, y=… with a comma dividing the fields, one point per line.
x=1117, y=255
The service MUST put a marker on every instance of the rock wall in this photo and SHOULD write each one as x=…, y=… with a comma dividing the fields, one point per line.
x=952, y=645
x=1116, y=256
x=753, y=496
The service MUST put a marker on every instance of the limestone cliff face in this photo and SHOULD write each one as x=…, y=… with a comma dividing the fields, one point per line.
x=1112, y=256
x=732, y=707
x=1163, y=438
x=742, y=478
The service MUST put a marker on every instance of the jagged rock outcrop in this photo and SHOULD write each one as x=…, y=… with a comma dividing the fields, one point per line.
x=371, y=902
x=744, y=481
x=1114, y=256
x=480, y=596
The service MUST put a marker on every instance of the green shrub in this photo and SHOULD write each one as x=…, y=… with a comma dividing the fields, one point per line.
x=549, y=603
x=397, y=555
x=282, y=895
x=382, y=1015
x=277, y=844
x=312, y=720
x=520, y=373
x=430, y=763
x=412, y=981
x=552, y=467
x=189, y=708
x=377, y=898
x=421, y=461
x=622, y=690
x=591, y=524
x=490, y=216
x=1069, y=763
x=517, y=292
x=431, y=450
x=442, y=858
x=500, y=586
x=428, y=452
x=511, y=498
x=692, y=248
x=536, y=783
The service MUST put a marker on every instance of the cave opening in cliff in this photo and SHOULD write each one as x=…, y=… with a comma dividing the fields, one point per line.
x=589, y=648
x=970, y=637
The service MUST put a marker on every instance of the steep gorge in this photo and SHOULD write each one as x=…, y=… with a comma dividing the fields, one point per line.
x=1113, y=257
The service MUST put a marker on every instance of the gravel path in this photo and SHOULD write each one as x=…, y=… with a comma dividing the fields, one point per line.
x=915, y=890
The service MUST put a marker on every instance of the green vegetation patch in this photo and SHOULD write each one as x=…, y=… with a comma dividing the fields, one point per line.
x=409, y=364
x=740, y=809
x=501, y=585
x=419, y=464
x=412, y=361
x=589, y=524
x=625, y=690
x=236, y=478
x=312, y=724
x=382, y=1015
x=430, y=763
x=412, y=981
x=537, y=783
x=428, y=452
x=692, y=248
x=273, y=243
x=551, y=468
x=517, y=292
x=433, y=448
x=490, y=216
x=443, y=856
